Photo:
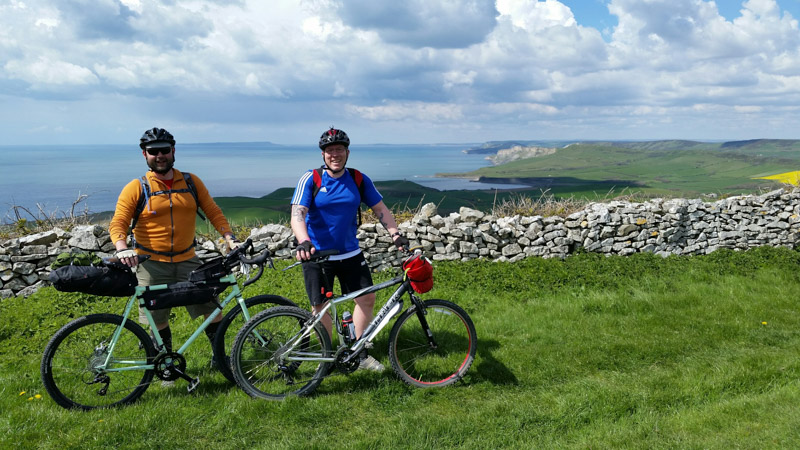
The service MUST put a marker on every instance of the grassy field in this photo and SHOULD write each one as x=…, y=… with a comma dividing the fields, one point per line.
x=586, y=352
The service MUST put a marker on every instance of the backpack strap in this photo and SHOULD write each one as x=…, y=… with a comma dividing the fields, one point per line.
x=359, y=179
x=354, y=174
x=317, y=176
x=144, y=197
x=193, y=190
x=170, y=254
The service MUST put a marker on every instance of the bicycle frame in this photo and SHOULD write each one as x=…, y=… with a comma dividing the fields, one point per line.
x=390, y=309
x=136, y=298
x=287, y=351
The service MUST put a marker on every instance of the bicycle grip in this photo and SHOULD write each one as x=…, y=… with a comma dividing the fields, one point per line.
x=322, y=254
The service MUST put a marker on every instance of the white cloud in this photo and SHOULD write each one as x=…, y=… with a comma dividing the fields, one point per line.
x=444, y=66
x=747, y=109
x=416, y=111
x=422, y=23
x=43, y=73
x=454, y=78
x=534, y=16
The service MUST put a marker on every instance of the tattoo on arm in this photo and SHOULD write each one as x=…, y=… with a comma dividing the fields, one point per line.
x=299, y=213
x=383, y=222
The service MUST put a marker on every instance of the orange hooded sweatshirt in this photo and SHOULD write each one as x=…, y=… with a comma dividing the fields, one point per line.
x=167, y=223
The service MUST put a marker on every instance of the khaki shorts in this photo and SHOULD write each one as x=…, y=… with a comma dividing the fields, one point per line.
x=150, y=273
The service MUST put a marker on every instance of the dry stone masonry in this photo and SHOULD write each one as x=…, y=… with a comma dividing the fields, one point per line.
x=663, y=227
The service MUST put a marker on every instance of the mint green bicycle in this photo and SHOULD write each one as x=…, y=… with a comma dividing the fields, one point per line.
x=106, y=360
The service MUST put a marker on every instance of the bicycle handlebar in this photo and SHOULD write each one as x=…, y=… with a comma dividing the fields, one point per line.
x=318, y=256
x=237, y=256
x=322, y=255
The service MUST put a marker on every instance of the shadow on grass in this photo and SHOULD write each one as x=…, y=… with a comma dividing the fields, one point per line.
x=488, y=368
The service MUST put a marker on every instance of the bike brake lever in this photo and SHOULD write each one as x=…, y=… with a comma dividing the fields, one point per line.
x=290, y=266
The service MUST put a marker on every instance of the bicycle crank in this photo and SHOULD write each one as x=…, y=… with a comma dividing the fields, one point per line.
x=171, y=366
x=345, y=362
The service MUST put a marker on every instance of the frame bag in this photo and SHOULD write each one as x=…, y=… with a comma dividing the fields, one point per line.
x=182, y=293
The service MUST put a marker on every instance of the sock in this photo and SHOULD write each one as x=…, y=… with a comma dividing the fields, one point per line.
x=211, y=331
x=166, y=338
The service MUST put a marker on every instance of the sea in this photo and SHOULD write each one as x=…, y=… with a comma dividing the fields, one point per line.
x=48, y=179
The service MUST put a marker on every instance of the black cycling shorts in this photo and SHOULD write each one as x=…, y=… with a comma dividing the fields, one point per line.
x=353, y=274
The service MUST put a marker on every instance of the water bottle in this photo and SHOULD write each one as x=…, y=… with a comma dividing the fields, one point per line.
x=348, y=329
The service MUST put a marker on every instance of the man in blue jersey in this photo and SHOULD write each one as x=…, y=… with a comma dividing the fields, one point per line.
x=324, y=217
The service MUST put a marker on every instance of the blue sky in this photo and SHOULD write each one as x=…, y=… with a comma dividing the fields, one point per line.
x=594, y=13
x=418, y=71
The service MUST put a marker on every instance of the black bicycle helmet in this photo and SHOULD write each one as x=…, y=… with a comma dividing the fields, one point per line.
x=155, y=135
x=333, y=136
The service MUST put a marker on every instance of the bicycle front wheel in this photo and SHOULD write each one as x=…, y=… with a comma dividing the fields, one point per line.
x=72, y=365
x=234, y=321
x=266, y=365
x=434, y=346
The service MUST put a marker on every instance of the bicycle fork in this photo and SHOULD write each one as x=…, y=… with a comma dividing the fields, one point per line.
x=423, y=321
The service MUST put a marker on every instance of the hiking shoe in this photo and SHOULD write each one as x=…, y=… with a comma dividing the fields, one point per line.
x=370, y=363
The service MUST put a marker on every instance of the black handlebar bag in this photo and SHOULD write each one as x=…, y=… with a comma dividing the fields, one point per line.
x=182, y=293
x=108, y=280
x=210, y=272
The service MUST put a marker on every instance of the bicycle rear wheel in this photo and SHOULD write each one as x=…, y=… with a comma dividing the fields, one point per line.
x=264, y=366
x=71, y=364
x=421, y=363
x=234, y=321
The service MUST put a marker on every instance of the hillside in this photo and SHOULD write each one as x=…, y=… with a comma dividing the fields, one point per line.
x=397, y=195
x=672, y=168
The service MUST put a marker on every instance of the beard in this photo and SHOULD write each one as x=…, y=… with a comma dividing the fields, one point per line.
x=161, y=168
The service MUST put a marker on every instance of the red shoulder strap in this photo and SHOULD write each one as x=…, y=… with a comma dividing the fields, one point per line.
x=317, y=182
x=357, y=177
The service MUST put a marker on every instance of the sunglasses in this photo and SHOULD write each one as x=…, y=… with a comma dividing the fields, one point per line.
x=157, y=151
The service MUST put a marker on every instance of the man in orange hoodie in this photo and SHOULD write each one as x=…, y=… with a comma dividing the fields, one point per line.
x=165, y=228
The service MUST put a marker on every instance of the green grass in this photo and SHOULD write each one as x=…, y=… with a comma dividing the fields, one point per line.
x=587, y=352
x=674, y=170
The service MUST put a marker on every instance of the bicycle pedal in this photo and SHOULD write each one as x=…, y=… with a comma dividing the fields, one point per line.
x=193, y=383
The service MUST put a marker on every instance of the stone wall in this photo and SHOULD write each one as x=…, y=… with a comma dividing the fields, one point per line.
x=664, y=227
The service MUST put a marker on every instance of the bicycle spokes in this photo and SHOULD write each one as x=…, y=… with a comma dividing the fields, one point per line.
x=275, y=356
x=435, y=349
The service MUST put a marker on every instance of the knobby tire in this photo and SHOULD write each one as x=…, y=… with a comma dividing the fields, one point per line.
x=233, y=322
x=254, y=356
x=413, y=358
x=70, y=360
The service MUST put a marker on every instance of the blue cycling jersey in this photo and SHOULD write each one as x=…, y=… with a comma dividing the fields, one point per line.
x=332, y=218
